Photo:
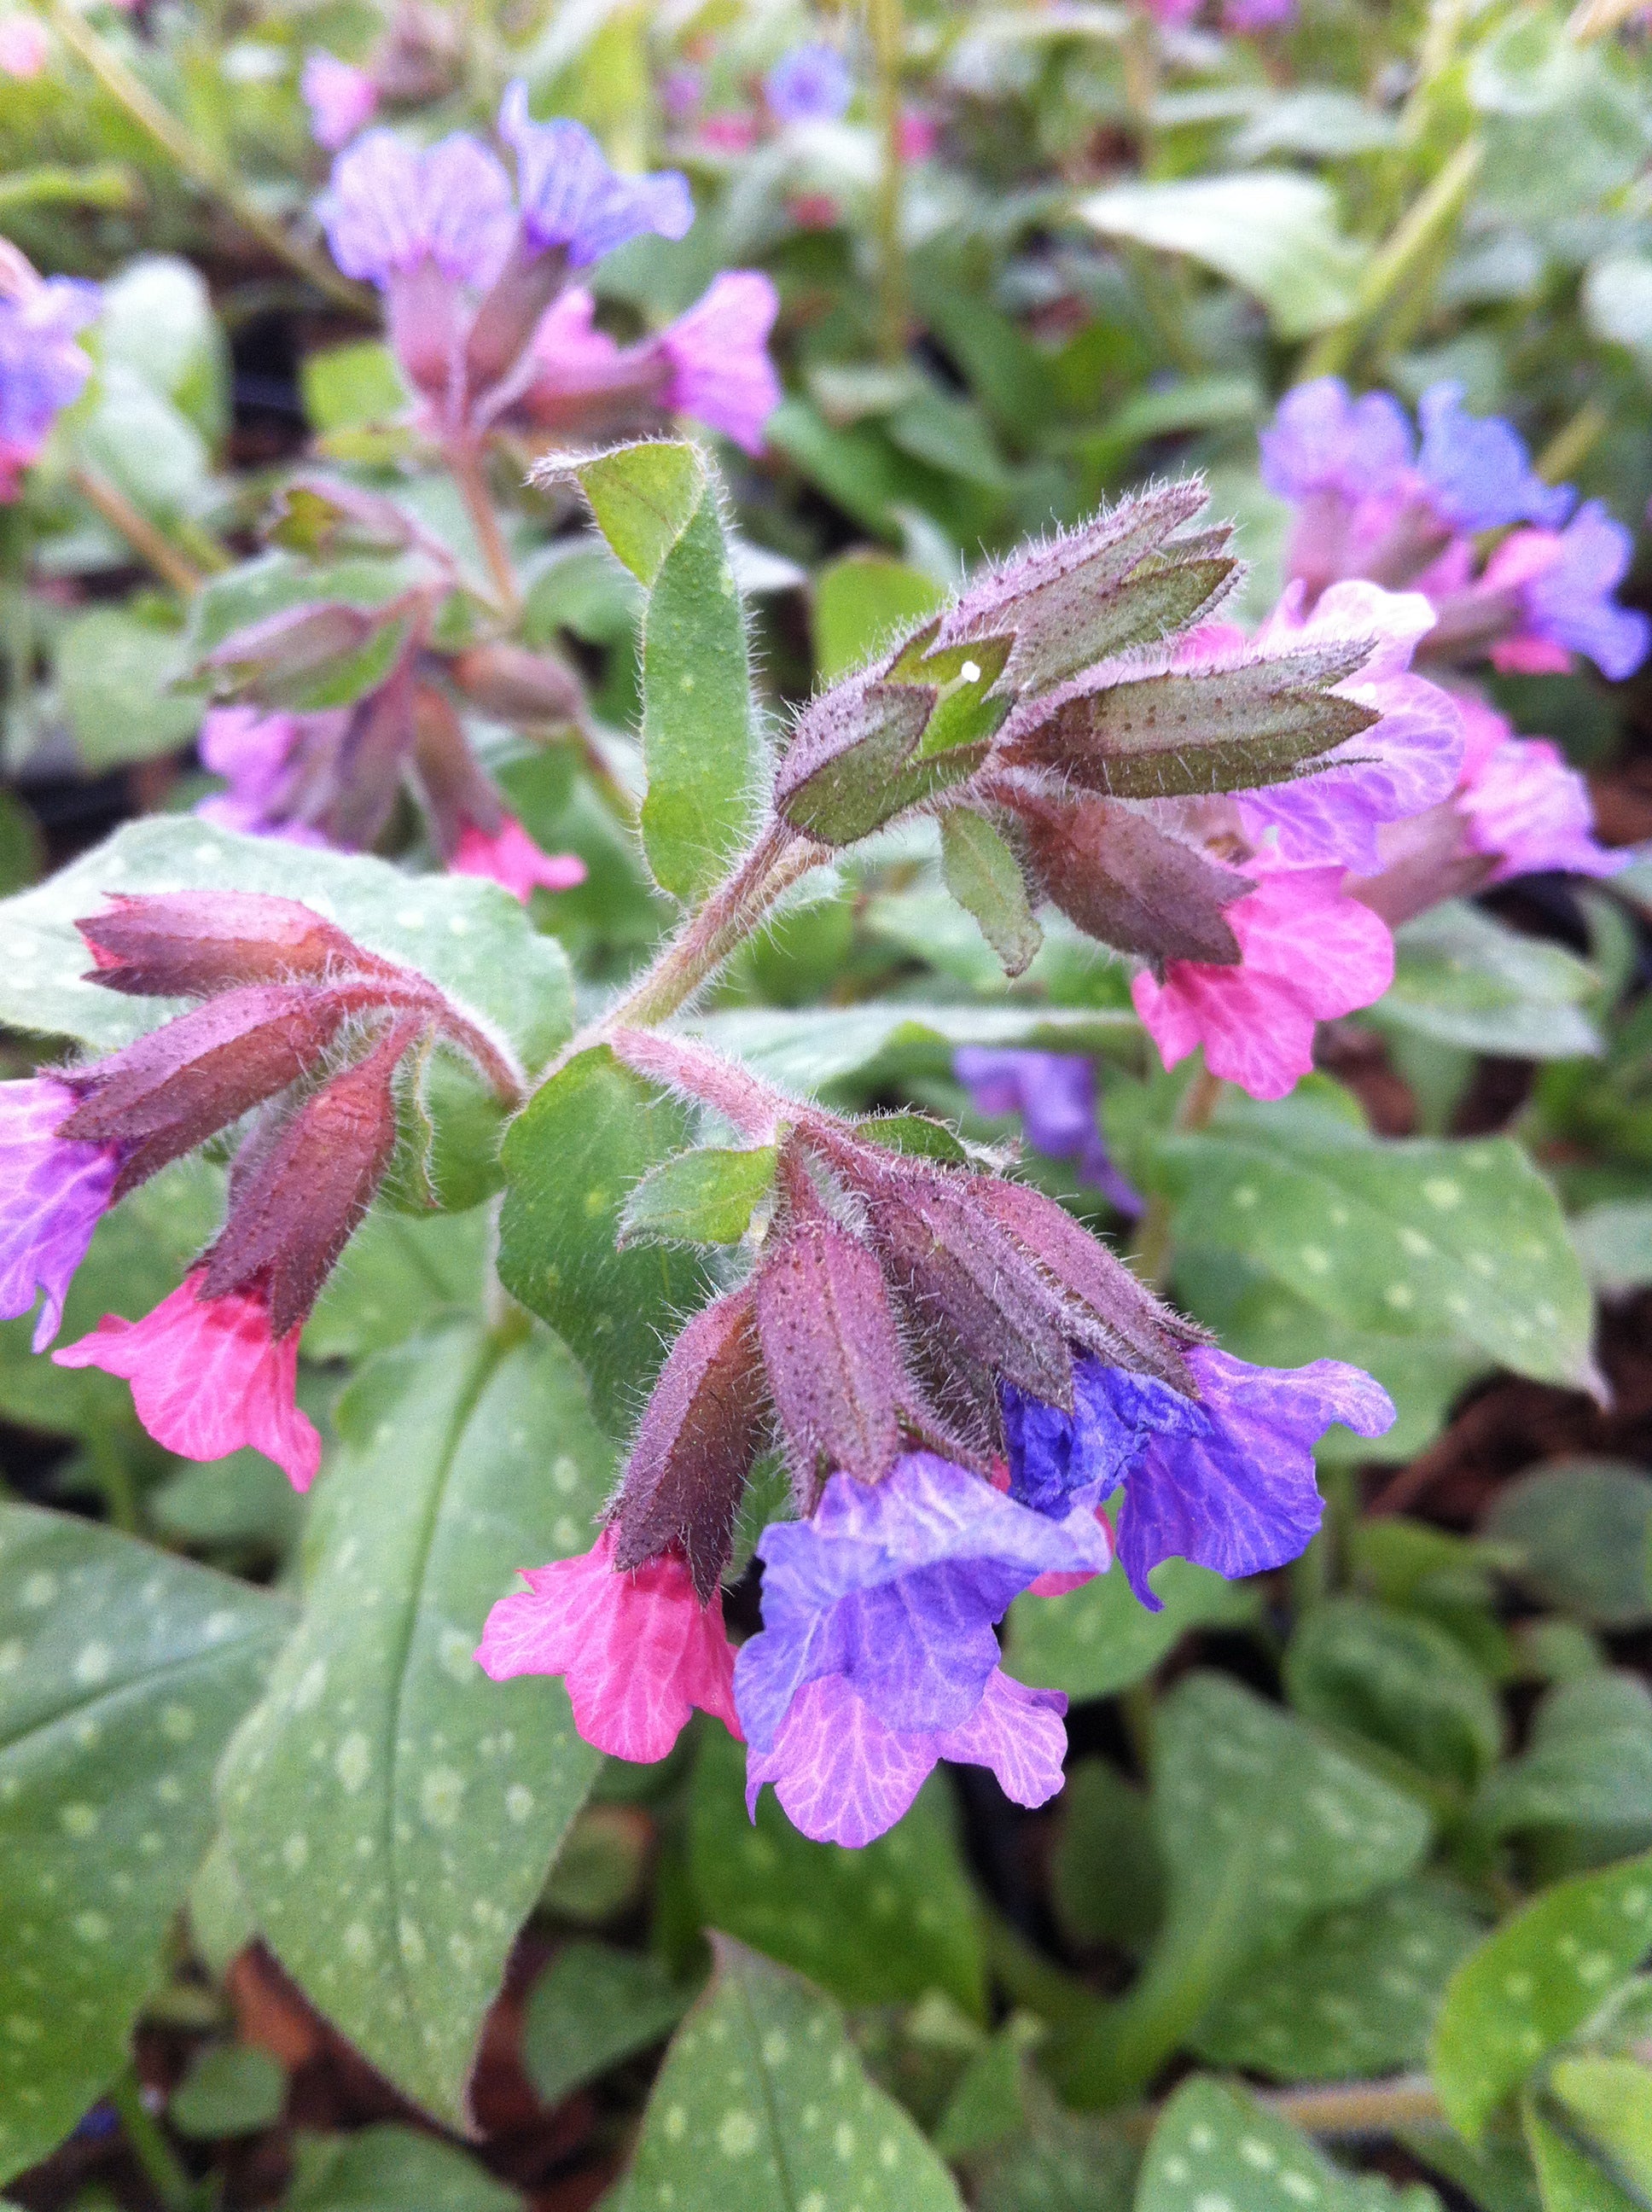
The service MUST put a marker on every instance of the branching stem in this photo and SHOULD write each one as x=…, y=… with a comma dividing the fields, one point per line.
x=150, y=543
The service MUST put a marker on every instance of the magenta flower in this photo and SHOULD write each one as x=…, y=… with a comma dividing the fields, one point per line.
x=209, y=1378
x=1563, y=583
x=572, y=201
x=510, y=856
x=1405, y=762
x=721, y=372
x=842, y=1776
x=53, y=1193
x=1308, y=953
x=342, y=99
x=1257, y=15
x=810, y=84
x=1225, y=1479
x=639, y=1650
x=25, y=48
x=1522, y=802
x=42, y=369
x=893, y=1588
x=261, y=756
x=1054, y=1093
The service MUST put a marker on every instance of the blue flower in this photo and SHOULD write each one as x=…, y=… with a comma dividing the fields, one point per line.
x=573, y=200
x=810, y=84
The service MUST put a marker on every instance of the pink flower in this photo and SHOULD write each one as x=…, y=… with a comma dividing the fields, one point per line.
x=1522, y=802
x=25, y=48
x=567, y=345
x=1256, y=14
x=916, y=135
x=720, y=370
x=639, y=1650
x=729, y=131
x=1308, y=953
x=1172, y=12
x=510, y=856
x=208, y=1378
x=53, y=1193
x=341, y=100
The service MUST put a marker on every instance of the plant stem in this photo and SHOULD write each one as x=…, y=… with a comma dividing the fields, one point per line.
x=464, y=463
x=202, y=168
x=1344, y=2108
x=1400, y=257
x=883, y=22
x=147, y=2141
x=1152, y=1254
x=150, y=543
x=1573, y=442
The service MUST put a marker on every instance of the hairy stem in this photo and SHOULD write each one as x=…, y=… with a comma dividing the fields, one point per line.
x=464, y=464
x=883, y=22
x=202, y=168
x=150, y=543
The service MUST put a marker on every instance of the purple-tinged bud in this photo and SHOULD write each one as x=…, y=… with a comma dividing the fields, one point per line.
x=1129, y=884
x=319, y=513
x=364, y=775
x=511, y=684
x=847, y=768
x=293, y=643
x=161, y=1096
x=187, y=945
x=1112, y=1313
x=303, y=1192
x=699, y=1436
x=960, y=1269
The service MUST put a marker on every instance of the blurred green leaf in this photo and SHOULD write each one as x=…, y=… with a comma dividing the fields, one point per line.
x=157, y=320
x=1465, y=978
x=1610, y=2100
x=1588, y=1763
x=115, y=674
x=230, y=2089
x=592, y=2007
x=1534, y=1983
x=1581, y=1527
x=351, y=387
x=1614, y=1243
x=863, y=601
x=1568, y=2179
x=391, y=2169
x=1214, y=2141
x=1397, y=1681
x=122, y=1671
x=399, y=1273
x=1107, y=1881
x=1100, y=1639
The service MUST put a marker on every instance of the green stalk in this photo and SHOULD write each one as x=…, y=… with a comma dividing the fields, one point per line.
x=147, y=2141
x=1399, y=260
x=884, y=22
x=195, y=161
x=149, y=542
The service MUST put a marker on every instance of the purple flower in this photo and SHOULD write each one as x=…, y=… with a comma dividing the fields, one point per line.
x=1522, y=802
x=1476, y=470
x=1323, y=439
x=1564, y=584
x=389, y=210
x=1054, y=1093
x=842, y=1776
x=573, y=200
x=1256, y=14
x=341, y=97
x=41, y=368
x=261, y=756
x=894, y=1587
x=1226, y=1479
x=810, y=84
x=53, y=1194
x=721, y=372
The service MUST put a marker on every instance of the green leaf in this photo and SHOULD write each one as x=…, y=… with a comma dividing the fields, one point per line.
x=592, y=2007
x=805, y=1050
x=1448, y=1239
x=707, y=1196
x=398, y=1275
x=762, y=2102
x=156, y=318
x=1495, y=2173
x=467, y=935
x=1587, y=1764
x=1354, y=1996
x=392, y=1812
x=984, y=876
x=391, y=2169
x=1610, y=2100
x=571, y=1158
x=244, y=1501
x=1568, y=2179
x=1581, y=1527
x=1102, y=1639
x=872, y=1926
x=658, y=505
x=1614, y=1243
x=351, y=387
x=862, y=601
x=122, y=1671
x=114, y=678
x=1271, y=232
x=1534, y=1983
x=1262, y=1824
x=231, y=2089
x=1399, y=1681
x=147, y=445
x=1107, y=1882
x=1465, y=978
x=1213, y=2141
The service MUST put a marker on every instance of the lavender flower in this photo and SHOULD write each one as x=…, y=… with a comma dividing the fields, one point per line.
x=261, y=758
x=572, y=200
x=341, y=97
x=1226, y=1479
x=1323, y=439
x=1477, y=469
x=389, y=210
x=53, y=1193
x=42, y=369
x=1564, y=584
x=810, y=84
x=1054, y=1093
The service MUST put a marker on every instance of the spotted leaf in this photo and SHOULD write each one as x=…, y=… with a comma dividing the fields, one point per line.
x=1216, y=2147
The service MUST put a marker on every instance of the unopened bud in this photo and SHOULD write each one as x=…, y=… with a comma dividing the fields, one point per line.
x=187, y=945
x=292, y=643
x=513, y=685
x=832, y=1354
x=169, y=1091
x=699, y=1436
x=509, y=314
x=1125, y=881
x=294, y=1209
x=320, y=514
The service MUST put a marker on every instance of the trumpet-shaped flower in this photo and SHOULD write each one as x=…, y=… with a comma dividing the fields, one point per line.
x=53, y=1193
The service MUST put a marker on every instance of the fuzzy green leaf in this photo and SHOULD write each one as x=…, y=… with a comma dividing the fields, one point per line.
x=705, y=1196
x=984, y=876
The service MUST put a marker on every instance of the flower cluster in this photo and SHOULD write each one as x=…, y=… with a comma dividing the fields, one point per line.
x=296, y=1031
x=959, y=1376
x=474, y=271
x=42, y=369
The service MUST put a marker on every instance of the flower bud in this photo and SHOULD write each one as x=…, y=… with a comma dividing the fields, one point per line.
x=187, y=945
x=1125, y=882
x=292, y=642
x=513, y=685
x=299, y=1197
x=700, y=1435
